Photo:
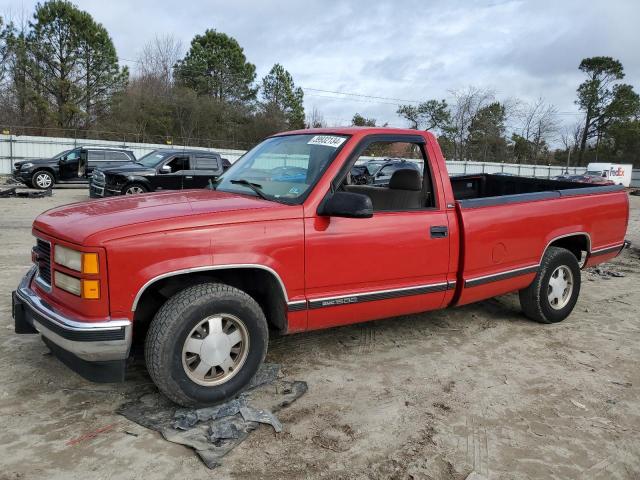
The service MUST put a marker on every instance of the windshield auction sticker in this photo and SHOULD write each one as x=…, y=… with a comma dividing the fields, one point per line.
x=327, y=141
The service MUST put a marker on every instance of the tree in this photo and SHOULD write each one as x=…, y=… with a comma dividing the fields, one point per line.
x=70, y=65
x=429, y=115
x=468, y=103
x=5, y=49
x=602, y=100
x=538, y=127
x=315, y=119
x=158, y=58
x=281, y=98
x=486, y=133
x=360, y=121
x=215, y=65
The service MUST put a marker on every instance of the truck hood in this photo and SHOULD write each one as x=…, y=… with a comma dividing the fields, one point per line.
x=77, y=222
x=129, y=169
x=38, y=161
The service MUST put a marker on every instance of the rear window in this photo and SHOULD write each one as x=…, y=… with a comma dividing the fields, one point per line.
x=207, y=163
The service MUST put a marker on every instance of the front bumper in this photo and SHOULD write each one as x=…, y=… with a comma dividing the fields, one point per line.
x=97, y=190
x=96, y=350
x=22, y=176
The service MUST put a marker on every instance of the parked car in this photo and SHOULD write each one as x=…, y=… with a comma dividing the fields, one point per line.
x=360, y=175
x=163, y=169
x=202, y=276
x=385, y=170
x=586, y=178
x=70, y=166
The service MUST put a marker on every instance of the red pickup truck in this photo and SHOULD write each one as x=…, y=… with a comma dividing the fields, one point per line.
x=285, y=241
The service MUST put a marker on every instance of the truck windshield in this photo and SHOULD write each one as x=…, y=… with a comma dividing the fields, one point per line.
x=283, y=168
x=152, y=159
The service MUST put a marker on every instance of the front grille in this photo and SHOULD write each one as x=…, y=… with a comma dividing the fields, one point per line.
x=43, y=252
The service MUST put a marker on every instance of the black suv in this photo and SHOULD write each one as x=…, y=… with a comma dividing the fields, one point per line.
x=382, y=171
x=70, y=166
x=163, y=169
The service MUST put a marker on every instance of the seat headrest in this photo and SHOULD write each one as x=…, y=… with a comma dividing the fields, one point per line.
x=406, y=179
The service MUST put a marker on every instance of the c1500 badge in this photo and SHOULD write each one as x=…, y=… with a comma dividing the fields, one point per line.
x=339, y=301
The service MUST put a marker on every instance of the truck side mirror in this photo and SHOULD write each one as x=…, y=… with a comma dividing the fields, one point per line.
x=348, y=205
x=165, y=169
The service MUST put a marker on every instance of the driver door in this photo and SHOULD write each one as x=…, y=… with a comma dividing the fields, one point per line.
x=70, y=166
x=170, y=175
x=394, y=263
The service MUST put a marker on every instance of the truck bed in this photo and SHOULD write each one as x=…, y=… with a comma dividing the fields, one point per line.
x=485, y=190
x=506, y=224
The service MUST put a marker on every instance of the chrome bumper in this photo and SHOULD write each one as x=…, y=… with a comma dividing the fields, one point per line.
x=92, y=342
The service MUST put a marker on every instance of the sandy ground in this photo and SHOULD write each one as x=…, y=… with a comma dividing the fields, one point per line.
x=435, y=395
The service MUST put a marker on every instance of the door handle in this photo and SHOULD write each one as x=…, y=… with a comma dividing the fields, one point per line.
x=439, y=231
x=189, y=177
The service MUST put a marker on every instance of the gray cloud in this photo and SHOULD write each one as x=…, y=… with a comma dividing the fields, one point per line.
x=408, y=49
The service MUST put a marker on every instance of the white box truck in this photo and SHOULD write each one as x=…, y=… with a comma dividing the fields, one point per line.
x=618, y=173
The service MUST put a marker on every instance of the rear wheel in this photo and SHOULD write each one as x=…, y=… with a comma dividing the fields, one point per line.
x=134, y=189
x=554, y=292
x=42, y=180
x=205, y=344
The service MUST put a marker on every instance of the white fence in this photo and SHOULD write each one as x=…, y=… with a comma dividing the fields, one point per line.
x=19, y=147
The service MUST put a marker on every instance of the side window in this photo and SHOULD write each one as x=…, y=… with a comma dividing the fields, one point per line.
x=116, y=156
x=387, y=171
x=94, y=156
x=73, y=155
x=401, y=179
x=207, y=163
x=178, y=164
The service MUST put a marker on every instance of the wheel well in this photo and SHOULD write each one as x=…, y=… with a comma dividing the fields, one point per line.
x=260, y=284
x=576, y=244
x=45, y=169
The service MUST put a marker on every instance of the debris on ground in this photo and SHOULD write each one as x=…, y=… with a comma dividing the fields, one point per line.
x=578, y=404
x=90, y=435
x=214, y=431
x=14, y=192
x=604, y=273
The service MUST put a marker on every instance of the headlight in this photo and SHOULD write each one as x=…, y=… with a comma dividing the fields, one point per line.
x=68, y=283
x=85, y=288
x=78, y=261
x=24, y=166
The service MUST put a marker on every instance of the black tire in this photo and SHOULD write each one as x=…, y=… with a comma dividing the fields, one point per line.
x=175, y=321
x=534, y=299
x=127, y=189
x=42, y=180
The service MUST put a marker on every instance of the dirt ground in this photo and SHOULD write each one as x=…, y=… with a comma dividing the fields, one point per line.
x=435, y=395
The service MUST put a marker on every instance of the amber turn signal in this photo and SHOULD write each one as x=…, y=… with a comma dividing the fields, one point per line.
x=89, y=263
x=91, y=289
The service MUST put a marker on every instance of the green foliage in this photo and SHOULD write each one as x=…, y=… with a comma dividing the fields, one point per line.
x=281, y=99
x=486, y=140
x=360, y=121
x=603, y=101
x=429, y=115
x=215, y=65
x=67, y=65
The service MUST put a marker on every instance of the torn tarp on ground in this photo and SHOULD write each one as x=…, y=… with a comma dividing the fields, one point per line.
x=214, y=431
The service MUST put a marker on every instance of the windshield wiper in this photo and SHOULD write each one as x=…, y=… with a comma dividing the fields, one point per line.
x=256, y=187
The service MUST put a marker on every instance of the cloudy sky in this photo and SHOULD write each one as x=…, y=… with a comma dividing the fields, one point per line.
x=404, y=49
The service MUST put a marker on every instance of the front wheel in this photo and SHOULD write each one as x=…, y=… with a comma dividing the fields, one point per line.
x=555, y=290
x=205, y=344
x=42, y=180
x=134, y=189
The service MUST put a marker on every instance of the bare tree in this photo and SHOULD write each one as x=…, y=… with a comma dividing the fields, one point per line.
x=467, y=103
x=315, y=119
x=158, y=58
x=539, y=126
